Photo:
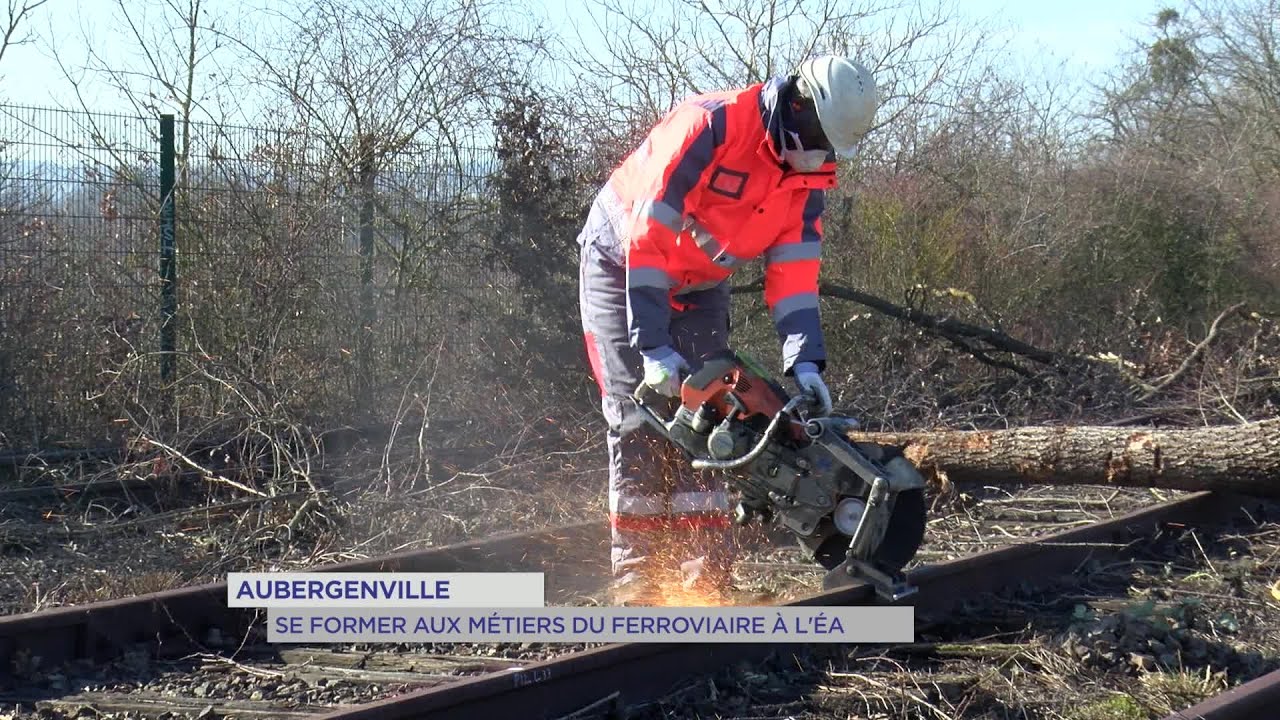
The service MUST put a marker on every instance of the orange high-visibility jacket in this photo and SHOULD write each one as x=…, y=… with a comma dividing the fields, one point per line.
x=705, y=194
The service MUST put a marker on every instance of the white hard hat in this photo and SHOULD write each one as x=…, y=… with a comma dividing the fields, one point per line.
x=845, y=96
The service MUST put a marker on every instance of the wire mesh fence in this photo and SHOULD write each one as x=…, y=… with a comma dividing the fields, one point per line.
x=304, y=263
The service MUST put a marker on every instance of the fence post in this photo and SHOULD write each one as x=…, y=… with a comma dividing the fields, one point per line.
x=368, y=172
x=168, y=250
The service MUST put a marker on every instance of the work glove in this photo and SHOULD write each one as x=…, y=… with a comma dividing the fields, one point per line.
x=662, y=368
x=810, y=383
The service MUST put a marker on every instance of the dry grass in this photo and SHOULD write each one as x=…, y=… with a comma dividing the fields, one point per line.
x=196, y=530
x=104, y=585
x=1034, y=657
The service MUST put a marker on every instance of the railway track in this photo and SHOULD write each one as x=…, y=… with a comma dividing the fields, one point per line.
x=213, y=661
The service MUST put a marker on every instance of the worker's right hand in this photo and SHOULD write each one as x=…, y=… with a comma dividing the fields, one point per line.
x=662, y=367
x=809, y=380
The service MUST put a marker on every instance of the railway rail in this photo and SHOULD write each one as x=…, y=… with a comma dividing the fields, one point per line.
x=572, y=682
x=1254, y=699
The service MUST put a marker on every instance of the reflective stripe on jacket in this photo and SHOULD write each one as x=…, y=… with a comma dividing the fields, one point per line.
x=705, y=194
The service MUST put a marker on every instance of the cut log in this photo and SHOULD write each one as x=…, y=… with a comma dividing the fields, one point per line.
x=1239, y=458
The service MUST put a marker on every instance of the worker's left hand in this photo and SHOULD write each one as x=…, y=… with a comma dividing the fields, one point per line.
x=810, y=383
x=662, y=370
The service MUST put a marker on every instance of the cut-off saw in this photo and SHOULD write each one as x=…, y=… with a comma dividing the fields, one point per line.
x=858, y=509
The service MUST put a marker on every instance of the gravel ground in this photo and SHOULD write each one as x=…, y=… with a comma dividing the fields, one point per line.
x=109, y=546
x=1190, y=614
x=84, y=548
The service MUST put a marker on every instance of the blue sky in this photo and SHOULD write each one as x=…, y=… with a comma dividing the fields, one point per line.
x=1086, y=35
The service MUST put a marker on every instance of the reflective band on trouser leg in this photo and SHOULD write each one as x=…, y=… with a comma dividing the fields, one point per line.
x=700, y=509
x=700, y=503
x=637, y=512
x=702, y=533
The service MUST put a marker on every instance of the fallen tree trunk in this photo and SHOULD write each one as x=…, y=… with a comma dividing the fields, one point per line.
x=1240, y=458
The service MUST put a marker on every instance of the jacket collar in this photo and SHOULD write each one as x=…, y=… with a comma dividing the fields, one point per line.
x=771, y=114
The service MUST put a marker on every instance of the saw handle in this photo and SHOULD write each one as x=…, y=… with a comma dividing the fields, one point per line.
x=755, y=451
x=650, y=415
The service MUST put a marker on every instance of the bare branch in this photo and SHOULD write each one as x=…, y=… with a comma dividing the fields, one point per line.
x=1196, y=352
x=18, y=10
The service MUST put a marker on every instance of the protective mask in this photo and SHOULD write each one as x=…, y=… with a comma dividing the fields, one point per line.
x=799, y=158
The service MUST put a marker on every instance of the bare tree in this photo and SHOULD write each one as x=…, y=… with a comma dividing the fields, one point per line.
x=1198, y=104
x=394, y=93
x=172, y=65
x=919, y=54
x=1240, y=57
x=176, y=48
x=17, y=12
x=377, y=80
x=14, y=195
x=388, y=72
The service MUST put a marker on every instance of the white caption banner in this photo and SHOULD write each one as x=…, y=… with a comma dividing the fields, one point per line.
x=385, y=590
x=888, y=624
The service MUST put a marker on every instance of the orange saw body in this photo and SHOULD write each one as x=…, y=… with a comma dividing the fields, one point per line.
x=857, y=508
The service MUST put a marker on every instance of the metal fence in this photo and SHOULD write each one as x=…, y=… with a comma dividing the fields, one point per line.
x=313, y=263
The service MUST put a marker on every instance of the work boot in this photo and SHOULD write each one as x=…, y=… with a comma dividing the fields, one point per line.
x=635, y=588
x=707, y=582
x=635, y=594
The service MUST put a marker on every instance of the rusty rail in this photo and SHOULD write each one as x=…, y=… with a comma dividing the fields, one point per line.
x=1258, y=699
x=622, y=674
x=176, y=621
x=632, y=674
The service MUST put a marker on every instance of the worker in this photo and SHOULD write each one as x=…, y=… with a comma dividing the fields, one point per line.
x=723, y=179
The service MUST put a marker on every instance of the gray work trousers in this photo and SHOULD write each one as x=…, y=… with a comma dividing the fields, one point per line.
x=664, y=515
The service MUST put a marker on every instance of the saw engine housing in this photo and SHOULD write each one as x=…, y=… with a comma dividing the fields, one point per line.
x=802, y=473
